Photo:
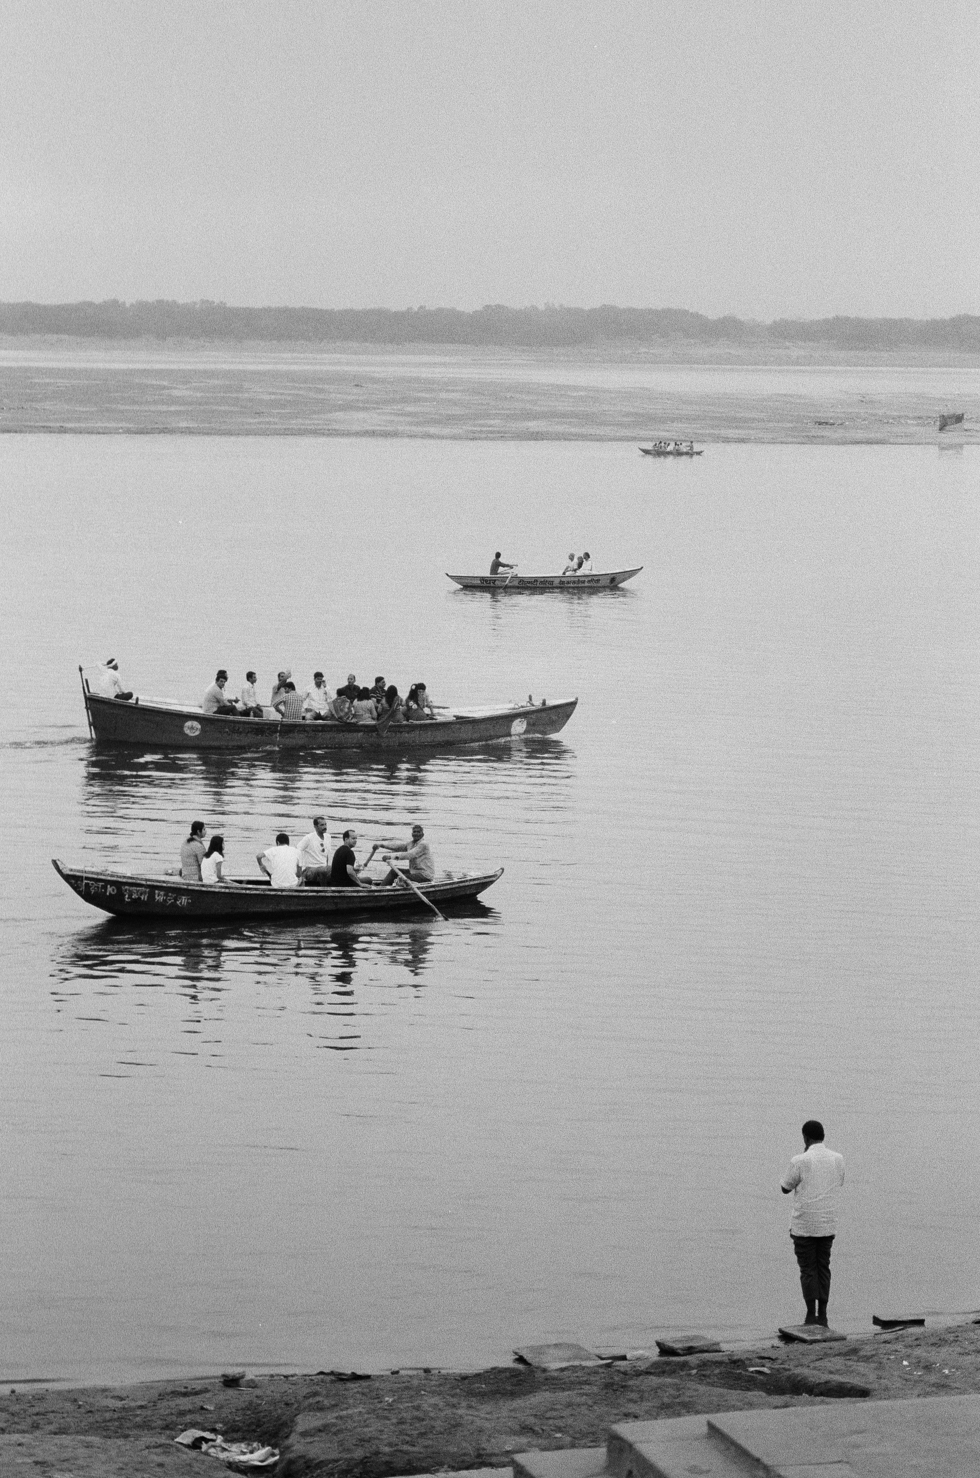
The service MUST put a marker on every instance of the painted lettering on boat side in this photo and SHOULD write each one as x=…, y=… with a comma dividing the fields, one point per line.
x=139, y=893
x=163, y=895
x=545, y=582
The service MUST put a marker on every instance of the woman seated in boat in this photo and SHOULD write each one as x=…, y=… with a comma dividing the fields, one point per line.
x=391, y=710
x=341, y=709
x=418, y=707
x=364, y=708
x=213, y=861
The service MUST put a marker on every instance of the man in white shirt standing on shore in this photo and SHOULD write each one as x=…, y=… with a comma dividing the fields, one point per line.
x=816, y=1178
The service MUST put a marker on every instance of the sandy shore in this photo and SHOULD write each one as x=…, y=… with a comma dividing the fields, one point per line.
x=455, y=394
x=415, y=1422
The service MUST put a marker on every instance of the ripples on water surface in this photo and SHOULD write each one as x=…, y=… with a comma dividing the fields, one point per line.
x=740, y=889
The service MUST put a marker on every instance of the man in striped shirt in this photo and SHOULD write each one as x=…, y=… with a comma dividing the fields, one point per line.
x=815, y=1179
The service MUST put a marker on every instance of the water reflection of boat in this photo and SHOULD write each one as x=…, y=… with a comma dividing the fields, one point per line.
x=139, y=896
x=157, y=725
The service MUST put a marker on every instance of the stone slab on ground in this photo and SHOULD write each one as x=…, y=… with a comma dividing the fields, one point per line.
x=690, y=1346
x=557, y=1356
x=897, y=1321
x=933, y=1437
x=809, y=1334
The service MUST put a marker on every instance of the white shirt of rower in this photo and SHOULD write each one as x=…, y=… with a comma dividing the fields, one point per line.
x=250, y=698
x=282, y=866
x=586, y=567
x=317, y=700
x=108, y=682
x=315, y=851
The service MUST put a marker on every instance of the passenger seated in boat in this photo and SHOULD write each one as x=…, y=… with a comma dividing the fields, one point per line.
x=342, y=709
x=248, y=703
x=290, y=705
x=421, y=866
x=418, y=708
x=343, y=868
x=192, y=854
x=391, y=709
x=364, y=708
x=108, y=683
x=214, y=700
x=279, y=690
x=572, y=565
x=585, y=568
x=350, y=689
x=213, y=860
x=379, y=690
x=280, y=863
x=316, y=700
x=497, y=564
x=314, y=854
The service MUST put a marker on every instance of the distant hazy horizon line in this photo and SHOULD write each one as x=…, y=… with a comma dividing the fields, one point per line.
x=553, y=327
x=202, y=304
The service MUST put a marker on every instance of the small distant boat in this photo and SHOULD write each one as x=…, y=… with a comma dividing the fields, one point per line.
x=140, y=896
x=514, y=581
x=672, y=449
x=953, y=418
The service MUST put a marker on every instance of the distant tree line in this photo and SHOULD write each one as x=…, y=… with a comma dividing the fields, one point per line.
x=551, y=326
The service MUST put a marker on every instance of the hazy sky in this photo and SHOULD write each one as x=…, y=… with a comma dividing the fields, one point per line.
x=757, y=157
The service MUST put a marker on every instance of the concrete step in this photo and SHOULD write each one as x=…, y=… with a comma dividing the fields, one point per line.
x=569, y=1462
x=675, y=1448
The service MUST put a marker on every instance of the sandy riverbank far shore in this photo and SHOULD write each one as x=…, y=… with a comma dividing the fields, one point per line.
x=414, y=1422
x=487, y=395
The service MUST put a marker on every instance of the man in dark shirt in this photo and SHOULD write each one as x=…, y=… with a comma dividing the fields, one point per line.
x=351, y=688
x=379, y=689
x=343, y=870
x=497, y=564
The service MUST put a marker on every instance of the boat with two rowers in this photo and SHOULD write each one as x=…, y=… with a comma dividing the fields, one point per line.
x=516, y=582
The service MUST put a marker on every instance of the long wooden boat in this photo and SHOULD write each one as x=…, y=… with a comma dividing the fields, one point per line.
x=141, y=896
x=666, y=451
x=517, y=582
x=165, y=726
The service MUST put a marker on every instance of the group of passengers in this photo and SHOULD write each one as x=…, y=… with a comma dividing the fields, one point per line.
x=351, y=704
x=313, y=863
x=673, y=446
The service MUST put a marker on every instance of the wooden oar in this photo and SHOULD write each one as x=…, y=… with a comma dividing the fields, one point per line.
x=509, y=578
x=421, y=895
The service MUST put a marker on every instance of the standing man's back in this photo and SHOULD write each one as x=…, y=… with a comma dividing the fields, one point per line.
x=816, y=1179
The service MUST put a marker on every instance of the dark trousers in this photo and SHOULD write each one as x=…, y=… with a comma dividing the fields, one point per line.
x=813, y=1256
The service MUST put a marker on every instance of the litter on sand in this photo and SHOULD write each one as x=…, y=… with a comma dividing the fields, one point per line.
x=241, y=1456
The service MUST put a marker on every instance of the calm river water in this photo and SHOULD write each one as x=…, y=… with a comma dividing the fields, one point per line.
x=740, y=890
